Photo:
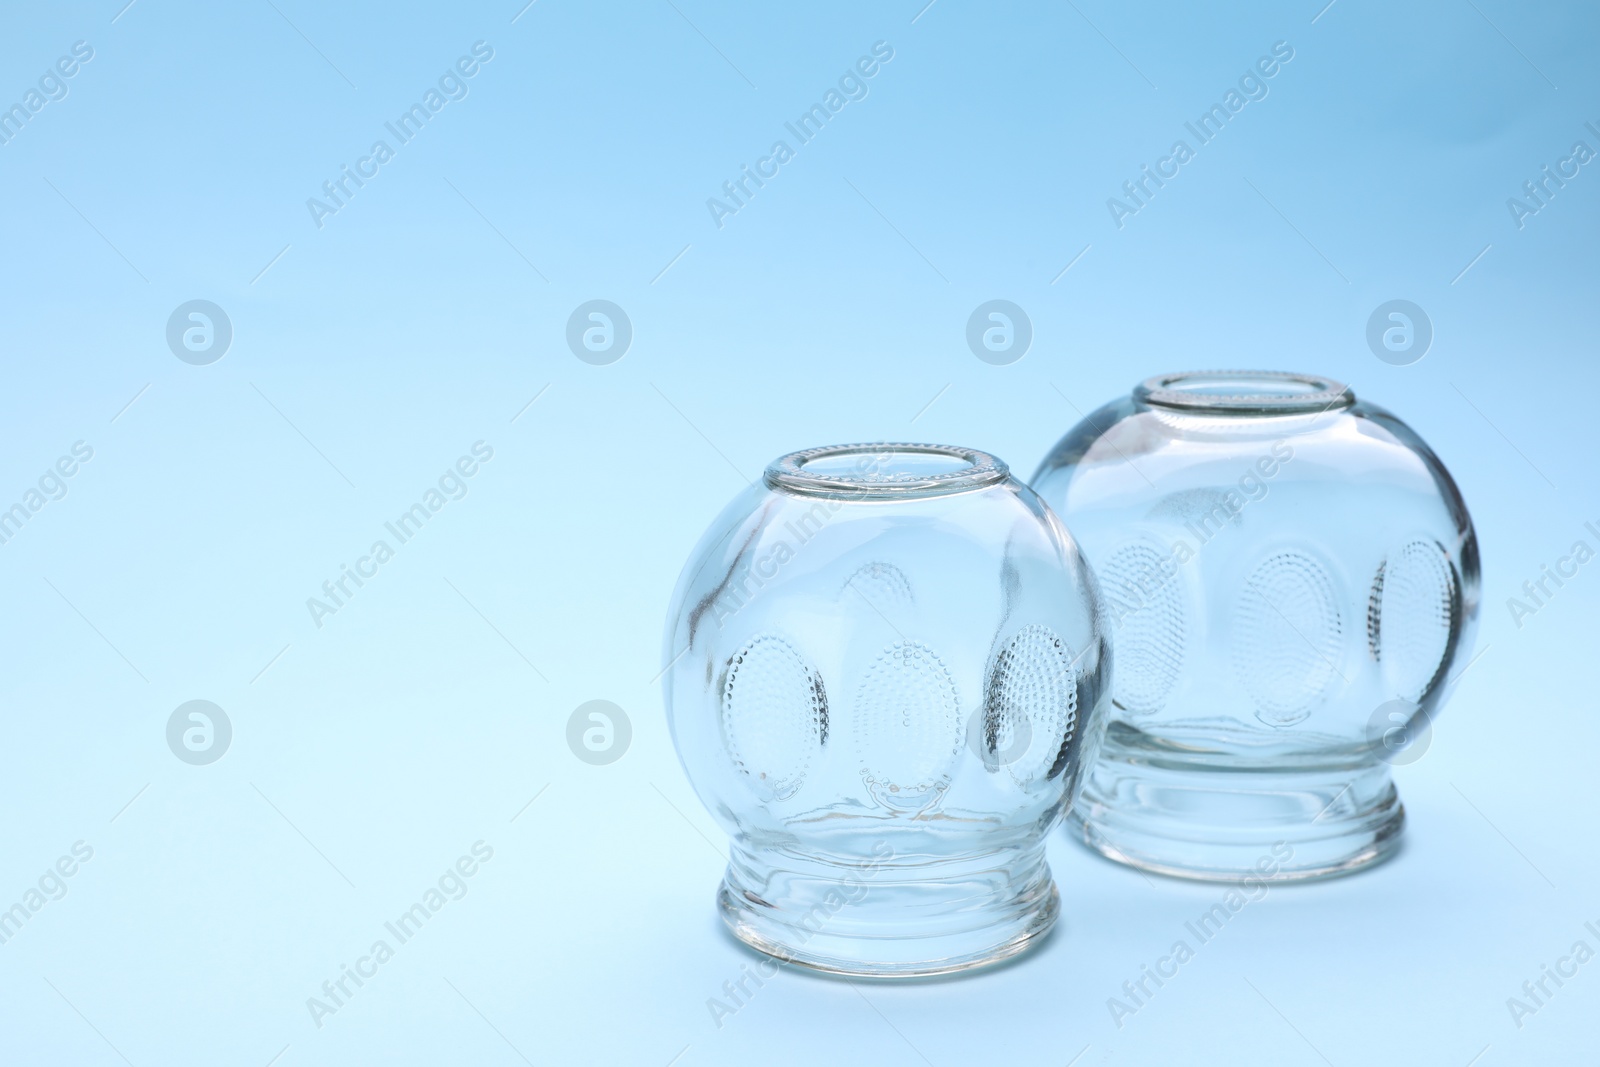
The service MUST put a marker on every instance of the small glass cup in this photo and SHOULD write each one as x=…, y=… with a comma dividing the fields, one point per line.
x=884, y=666
x=1290, y=578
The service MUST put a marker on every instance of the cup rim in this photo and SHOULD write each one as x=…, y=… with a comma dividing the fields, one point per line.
x=1259, y=392
x=789, y=472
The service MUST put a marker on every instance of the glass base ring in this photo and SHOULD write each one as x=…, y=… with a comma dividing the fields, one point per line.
x=1220, y=826
x=908, y=920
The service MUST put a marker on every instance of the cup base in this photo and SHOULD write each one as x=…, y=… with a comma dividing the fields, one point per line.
x=1216, y=825
x=906, y=918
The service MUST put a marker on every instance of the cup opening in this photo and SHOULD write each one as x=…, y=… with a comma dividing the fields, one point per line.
x=885, y=471
x=1244, y=392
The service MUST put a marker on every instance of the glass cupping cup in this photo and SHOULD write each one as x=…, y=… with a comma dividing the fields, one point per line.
x=1290, y=579
x=884, y=670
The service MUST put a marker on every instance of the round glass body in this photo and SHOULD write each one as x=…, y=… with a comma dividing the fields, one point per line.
x=1290, y=580
x=883, y=669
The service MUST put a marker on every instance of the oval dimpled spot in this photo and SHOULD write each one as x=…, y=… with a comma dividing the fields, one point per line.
x=1412, y=617
x=907, y=724
x=1144, y=601
x=1286, y=637
x=1031, y=706
x=774, y=716
x=884, y=586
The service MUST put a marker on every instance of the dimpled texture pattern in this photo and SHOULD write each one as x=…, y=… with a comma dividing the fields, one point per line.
x=1031, y=706
x=907, y=720
x=1411, y=617
x=1206, y=510
x=883, y=585
x=1145, y=605
x=774, y=715
x=1286, y=637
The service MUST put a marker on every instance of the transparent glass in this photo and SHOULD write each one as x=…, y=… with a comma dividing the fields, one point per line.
x=884, y=666
x=1290, y=579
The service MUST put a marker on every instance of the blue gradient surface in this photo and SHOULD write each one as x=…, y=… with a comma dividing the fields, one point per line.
x=375, y=745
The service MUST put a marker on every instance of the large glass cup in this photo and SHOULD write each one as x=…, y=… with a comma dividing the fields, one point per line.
x=1290, y=579
x=884, y=664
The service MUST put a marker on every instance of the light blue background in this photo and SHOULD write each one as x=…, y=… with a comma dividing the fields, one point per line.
x=421, y=718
